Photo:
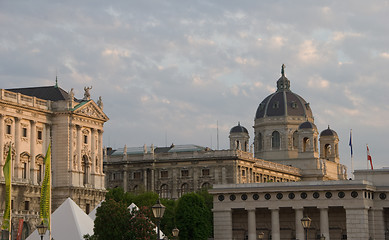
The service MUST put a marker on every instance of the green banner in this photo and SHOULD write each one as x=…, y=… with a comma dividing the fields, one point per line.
x=45, y=191
x=7, y=176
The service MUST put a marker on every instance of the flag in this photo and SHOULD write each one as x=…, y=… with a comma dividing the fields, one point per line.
x=7, y=170
x=351, y=143
x=44, y=212
x=369, y=157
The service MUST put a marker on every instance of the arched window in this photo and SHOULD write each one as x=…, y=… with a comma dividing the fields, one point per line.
x=305, y=144
x=206, y=185
x=295, y=140
x=184, y=189
x=259, y=142
x=135, y=189
x=238, y=145
x=327, y=151
x=275, y=140
x=164, y=191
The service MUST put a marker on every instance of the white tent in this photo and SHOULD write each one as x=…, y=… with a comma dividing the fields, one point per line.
x=67, y=222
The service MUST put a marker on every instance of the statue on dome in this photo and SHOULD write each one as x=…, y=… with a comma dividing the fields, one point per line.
x=100, y=103
x=283, y=69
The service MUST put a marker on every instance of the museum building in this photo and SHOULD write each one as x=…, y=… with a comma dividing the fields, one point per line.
x=31, y=119
x=285, y=133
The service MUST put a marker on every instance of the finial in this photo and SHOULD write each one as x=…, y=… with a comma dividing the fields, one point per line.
x=56, y=81
x=283, y=69
x=328, y=126
x=239, y=123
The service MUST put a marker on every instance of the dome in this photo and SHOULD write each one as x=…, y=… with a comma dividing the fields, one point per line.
x=283, y=102
x=328, y=132
x=238, y=129
x=307, y=125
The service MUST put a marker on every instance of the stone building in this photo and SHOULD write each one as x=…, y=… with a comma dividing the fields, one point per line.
x=344, y=209
x=287, y=148
x=30, y=119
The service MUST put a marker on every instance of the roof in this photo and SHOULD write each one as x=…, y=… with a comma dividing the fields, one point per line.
x=171, y=149
x=51, y=93
x=239, y=129
x=307, y=125
x=328, y=132
x=68, y=222
x=283, y=102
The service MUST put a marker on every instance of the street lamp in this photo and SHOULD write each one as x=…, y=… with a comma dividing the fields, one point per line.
x=175, y=232
x=42, y=228
x=261, y=235
x=158, y=211
x=306, y=222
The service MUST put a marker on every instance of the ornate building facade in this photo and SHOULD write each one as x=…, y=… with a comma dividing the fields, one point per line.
x=286, y=149
x=31, y=119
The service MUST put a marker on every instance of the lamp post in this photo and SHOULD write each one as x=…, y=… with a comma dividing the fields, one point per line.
x=158, y=211
x=261, y=235
x=42, y=228
x=175, y=232
x=306, y=222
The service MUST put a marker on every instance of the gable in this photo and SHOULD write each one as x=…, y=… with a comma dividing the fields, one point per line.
x=90, y=109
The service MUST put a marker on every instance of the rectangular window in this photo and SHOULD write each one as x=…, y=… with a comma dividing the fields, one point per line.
x=85, y=139
x=243, y=173
x=24, y=132
x=8, y=129
x=185, y=173
x=87, y=208
x=137, y=175
x=24, y=171
x=39, y=135
x=26, y=205
x=39, y=173
x=164, y=174
x=205, y=172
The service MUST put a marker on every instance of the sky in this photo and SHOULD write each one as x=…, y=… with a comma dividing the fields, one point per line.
x=186, y=72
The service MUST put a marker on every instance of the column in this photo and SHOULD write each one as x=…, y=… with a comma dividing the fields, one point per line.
x=275, y=224
x=324, y=225
x=174, y=183
x=153, y=180
x=357, y=223
x=125, y=179
x=252, y=226
x=33, y=170
x=80, y=180
x=299, y=227
x=2, y=131
x=378, y=223
x=222, y=224
x=71, y=150
x=145, y=179
x=17, y=170
x=93, y=153
x=224, y=179
x=100, y=150
x=239, y=175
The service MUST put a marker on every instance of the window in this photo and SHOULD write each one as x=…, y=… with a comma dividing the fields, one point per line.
x=39, y=135
x=39, y=176
x=26, y=205
x=24, y=132
x=295, y=140
x=164, y=174
x=184, y=189
x=275, y=140
x=305, y=144
x=243, y=173
x=205, y=172
x=185, y=173
x=87, y=208
x=85, y=139
x=206, y=186
x=259, y=141
x=137, y=175
x=165, y=191
x=24, y=170
x=8, y=129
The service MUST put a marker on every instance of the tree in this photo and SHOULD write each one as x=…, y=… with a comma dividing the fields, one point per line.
x=115, y=221
x=193, y=217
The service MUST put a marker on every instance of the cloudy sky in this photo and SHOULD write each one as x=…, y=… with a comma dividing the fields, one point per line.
x=169, y=71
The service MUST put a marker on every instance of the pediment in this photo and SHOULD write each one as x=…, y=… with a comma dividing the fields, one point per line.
x=90, y=109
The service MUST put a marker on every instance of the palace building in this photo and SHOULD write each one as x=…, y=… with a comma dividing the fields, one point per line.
x=30, y=120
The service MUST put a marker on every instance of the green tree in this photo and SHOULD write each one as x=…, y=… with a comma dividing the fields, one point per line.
x=193, y=217
x=115, y=221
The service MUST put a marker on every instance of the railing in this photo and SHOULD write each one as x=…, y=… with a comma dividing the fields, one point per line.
x=21, y=99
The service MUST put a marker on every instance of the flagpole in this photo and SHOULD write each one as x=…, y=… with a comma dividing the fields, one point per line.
x=352, y=155
x=367, y=160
